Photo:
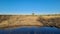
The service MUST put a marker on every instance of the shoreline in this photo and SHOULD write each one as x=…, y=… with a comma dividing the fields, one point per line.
x=20, y=27
x=11, y=21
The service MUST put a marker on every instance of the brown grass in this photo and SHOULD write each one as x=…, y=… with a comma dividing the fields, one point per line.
x=52, y=21
x=7, y=21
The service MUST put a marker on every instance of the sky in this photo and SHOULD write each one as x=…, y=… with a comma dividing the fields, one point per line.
x=29, y=6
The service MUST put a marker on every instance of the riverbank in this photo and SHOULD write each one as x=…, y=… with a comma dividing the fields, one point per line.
x=10, y=21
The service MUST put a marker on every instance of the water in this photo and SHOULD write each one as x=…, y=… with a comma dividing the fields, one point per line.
x=32, y=30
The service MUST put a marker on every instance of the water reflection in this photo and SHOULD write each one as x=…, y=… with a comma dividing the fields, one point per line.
x=33, y=30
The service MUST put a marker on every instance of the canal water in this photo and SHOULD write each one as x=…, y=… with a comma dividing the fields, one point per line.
x=32, y=30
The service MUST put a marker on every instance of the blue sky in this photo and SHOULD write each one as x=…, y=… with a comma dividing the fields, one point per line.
x=29, y=6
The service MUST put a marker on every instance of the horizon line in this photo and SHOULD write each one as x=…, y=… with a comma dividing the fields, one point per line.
x=26, y=14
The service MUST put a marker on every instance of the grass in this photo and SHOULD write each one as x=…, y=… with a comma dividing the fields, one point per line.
x=51, y=21
x=22, y=20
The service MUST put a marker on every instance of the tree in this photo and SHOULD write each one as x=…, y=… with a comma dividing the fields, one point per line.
x=33, y=14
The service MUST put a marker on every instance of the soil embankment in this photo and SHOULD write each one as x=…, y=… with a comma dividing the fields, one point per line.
x=7, y=21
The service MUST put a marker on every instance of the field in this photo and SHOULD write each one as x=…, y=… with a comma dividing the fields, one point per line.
x=10, y=21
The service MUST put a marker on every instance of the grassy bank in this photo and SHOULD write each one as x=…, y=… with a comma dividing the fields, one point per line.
x=9, y=21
